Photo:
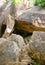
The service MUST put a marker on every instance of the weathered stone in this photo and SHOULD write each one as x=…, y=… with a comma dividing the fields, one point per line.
x=28, y=21
x=18, y=39
x=24, y=56
x=2, y=40
x=13, y=51
x=9, y=26
x=38, y=35
x=5, y=10
x=9, y=52
x=36, y=46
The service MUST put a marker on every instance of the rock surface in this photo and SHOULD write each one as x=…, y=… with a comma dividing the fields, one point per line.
x=37, y=46
x=31, y=20
x=6, y=9
x=18, y=51
x=12, y=51
x=38, y=35
x=9, y=26
x=18, y=39
x=9, y=51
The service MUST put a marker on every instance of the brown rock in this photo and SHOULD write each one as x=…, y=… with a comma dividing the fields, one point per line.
x=31, y=20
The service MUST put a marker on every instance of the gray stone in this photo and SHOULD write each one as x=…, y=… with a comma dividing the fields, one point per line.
x=38, y=35
x=9, y=52
x=18, y=39
x=13, y=51
x=36, y=45
x=2, y=40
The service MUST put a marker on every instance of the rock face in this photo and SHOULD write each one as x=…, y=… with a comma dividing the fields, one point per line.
x=9, y=25
x=12, y=51
x=18, y=39
x=7, y=9
x=9, y=51
x=18, y=51
x=37, y=46
x=31, y=20
x=38, y=35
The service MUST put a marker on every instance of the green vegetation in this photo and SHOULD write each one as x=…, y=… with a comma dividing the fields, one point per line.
x=36, y=63
x=18, y=1
x=40, y=3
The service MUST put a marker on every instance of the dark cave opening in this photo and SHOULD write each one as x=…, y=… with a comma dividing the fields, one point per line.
x=22, y=33
x=15, y=31
x=3, y=29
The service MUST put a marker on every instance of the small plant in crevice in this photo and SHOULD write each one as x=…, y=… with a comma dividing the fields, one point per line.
x=36, y=63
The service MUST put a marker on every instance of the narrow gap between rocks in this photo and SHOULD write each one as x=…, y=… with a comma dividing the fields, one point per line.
x=22, y=33
x=3, y=28
x=16, y=31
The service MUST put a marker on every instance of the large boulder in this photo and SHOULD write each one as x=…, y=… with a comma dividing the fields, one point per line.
x=31, y=20
x=18, y=39
x=9, y=52
x=6, y=8
x=36, y=47
x=38, y=35
x=13, y=51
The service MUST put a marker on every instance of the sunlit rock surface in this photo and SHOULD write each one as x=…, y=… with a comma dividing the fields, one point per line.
x=9, y=22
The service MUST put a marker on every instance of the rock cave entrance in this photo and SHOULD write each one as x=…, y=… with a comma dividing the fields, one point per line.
x=3, y=28
x=22, y=33
x=16, y=31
